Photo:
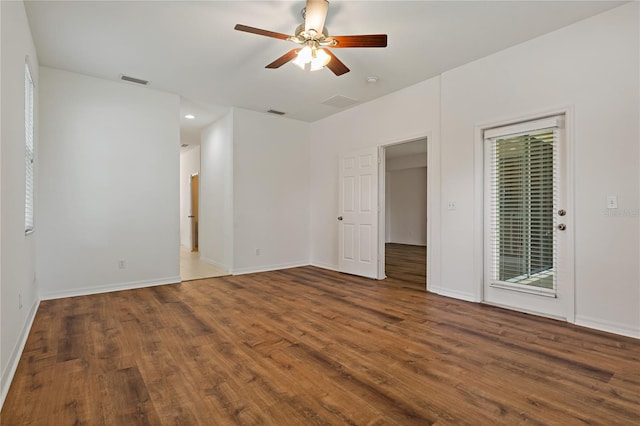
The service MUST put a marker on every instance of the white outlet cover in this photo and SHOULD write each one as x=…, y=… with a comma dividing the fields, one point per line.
x=612, y=201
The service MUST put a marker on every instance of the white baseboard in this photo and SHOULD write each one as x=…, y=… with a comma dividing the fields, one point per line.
x=108, y=288
x=266, y=268
x=469, y=297
x=214, y=263
x=16, y=353
x=326, y=266
x=608, y=326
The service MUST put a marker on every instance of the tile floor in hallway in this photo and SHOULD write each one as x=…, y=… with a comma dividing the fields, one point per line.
x=192, y=268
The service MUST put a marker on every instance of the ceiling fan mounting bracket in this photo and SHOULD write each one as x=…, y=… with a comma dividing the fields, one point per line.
x=303, y=36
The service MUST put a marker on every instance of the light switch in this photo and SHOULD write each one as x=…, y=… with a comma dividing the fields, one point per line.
x=612, y=201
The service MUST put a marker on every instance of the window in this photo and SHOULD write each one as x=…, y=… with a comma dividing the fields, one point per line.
x=522, y=177
x=29, y=150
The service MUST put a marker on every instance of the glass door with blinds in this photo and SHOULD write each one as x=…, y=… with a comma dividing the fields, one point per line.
x=525, y=216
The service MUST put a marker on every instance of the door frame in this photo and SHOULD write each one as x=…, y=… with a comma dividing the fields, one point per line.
x=478, y=216
x=382, y=201
x=194, y=216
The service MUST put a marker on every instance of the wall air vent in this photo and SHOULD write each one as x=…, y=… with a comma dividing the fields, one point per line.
x=276, y=112
x=134, y=80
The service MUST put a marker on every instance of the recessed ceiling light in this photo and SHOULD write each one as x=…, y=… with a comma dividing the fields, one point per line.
x=189, y=116
x=372, y=79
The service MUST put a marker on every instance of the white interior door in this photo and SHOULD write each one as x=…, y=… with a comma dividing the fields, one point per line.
x=358, y=213
x=528, y=226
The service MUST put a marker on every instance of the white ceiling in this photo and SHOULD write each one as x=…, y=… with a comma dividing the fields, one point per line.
x=190, y=47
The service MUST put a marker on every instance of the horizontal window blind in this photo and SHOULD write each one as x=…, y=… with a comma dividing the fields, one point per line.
x=522, y=174
x=29, y=150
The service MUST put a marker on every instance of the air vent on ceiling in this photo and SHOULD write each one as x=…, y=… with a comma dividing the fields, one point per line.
x=134, y=80
x=276, y=112
x=340, y=101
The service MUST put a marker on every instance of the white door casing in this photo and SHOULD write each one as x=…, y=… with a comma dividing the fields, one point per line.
x=358, y=213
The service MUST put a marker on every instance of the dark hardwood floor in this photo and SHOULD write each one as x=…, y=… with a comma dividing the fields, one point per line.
x=406, y=263
x=310, y=346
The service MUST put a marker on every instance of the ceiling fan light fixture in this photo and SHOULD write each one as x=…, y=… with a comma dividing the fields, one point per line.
x=298, y=63
x=304, y=57
x=319, y=60
x=313, y=55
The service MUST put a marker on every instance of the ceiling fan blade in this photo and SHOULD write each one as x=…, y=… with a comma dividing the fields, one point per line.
x=259, y=31
x=315, y=14
x=283, y=59
x=370, y=40
x=336, y=64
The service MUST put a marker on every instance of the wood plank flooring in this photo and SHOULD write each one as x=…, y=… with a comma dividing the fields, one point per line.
x=406, y=263
x=310, y=346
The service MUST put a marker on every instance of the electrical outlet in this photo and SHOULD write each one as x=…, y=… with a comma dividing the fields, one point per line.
x=451, y=205
x=612, y=202
x=257, y=252
x=121, y=264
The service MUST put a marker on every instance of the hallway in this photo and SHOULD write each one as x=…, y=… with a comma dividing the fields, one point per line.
x=192, y=268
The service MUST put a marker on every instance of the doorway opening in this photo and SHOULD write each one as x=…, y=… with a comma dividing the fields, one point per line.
x=404, y=228
x=192, y=238
x=195, y=200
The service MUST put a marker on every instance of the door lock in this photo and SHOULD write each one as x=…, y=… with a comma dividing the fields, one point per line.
x=339, y=217
x=562, y=226
x=562, y=212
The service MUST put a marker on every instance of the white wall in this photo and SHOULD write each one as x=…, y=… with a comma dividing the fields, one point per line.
x=592, y=67
x=271, y=192
x=407, y=201
x=216, y=194
x=109, y=185
x=189, y=165
x=18, y=271
x=401, y=116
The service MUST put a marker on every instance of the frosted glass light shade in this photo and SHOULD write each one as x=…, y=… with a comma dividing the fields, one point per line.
x=320, y=60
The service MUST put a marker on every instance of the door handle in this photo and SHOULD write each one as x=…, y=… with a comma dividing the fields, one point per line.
x=562, y=212
x=190, y=217
x=339, y=217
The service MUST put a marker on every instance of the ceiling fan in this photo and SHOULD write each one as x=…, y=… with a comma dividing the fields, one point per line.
x=314, y=40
